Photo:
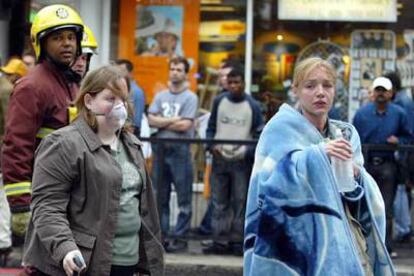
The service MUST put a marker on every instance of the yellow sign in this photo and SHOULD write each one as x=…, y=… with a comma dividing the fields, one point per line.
x=221, y=31
x=338, y=10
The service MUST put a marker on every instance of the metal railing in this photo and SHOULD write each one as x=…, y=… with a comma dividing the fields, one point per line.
x=366, y=148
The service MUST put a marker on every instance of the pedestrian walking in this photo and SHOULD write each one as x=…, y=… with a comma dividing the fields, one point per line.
x=92, y=198
x=301, y=218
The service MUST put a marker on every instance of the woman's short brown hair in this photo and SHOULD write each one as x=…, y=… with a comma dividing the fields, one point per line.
x=105, y=77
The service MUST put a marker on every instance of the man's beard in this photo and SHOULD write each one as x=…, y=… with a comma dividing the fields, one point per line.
x=381, y=99
x=59, y=64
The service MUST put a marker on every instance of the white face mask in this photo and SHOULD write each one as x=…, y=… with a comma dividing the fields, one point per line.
x=118, y=115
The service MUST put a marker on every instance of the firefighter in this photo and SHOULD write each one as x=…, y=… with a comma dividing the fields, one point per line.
x=40, y=103
x=89, y=48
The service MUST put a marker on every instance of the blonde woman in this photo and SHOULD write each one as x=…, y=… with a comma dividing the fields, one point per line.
x=299, y=218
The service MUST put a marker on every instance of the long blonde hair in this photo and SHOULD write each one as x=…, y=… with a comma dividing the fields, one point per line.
x=105, y=77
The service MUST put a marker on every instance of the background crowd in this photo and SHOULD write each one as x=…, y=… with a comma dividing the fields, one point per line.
x=46, y=89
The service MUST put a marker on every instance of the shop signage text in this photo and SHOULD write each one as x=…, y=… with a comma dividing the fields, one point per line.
x=335, y=10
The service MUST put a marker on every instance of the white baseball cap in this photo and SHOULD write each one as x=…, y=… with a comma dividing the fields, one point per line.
x=382, y=82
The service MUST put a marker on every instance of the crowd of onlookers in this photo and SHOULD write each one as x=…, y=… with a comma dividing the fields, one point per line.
x=56, y=119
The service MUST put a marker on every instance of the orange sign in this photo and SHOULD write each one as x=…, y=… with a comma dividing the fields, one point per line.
x=233, y=28
x=153, y=31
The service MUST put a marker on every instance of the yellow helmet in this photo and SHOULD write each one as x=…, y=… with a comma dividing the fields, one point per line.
x=89, y=44
x=52, y=18
x=15, y=66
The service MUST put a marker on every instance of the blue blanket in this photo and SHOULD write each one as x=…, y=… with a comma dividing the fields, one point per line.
x=295, y=218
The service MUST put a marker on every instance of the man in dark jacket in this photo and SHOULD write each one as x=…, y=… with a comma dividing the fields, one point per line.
x=40, y=103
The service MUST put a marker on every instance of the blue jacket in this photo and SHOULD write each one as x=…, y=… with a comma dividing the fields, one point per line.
x=295, y=218
x=402, y=100
x=137, y=98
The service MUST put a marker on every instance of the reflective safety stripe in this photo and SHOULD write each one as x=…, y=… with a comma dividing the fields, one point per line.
x=43, y=131
x=73, y=112
x=17, y=188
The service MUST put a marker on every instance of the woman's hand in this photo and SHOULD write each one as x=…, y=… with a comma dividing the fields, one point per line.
x=72, y=262
x=339, y=148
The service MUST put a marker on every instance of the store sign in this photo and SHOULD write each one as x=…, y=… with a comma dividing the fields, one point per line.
x=338, y=10
x=225, y=31
x=236, y=28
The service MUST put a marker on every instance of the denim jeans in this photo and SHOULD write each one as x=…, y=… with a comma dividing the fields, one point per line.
x=172, y=165
x=385, y=175
x=229, y=181
x=205, y=225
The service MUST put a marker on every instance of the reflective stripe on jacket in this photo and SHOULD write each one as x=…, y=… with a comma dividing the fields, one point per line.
x=39, y=100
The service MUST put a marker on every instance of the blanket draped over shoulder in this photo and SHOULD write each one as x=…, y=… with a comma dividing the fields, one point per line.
x=295, y=218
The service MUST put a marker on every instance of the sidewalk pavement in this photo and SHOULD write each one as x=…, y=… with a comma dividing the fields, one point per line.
x=404, y=263
x=194, y=262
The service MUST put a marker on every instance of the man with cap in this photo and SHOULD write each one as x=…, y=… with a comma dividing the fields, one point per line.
x=382, y=122
x=40, y=103
x=167, y=35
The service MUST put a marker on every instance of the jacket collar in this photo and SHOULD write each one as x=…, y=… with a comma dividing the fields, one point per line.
x=92, y=139
x=130, y=139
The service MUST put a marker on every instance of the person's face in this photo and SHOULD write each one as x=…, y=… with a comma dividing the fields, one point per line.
x=177, y=73
x=371, y=96
x=235, y=86
x=166, y=41
x=316, y=94
x=102, y=103
x=124, y=69
x=29, y=61
x=12, y=78
x=61, y=46
x=222, y=77
x=80, y=65
x=381, y=95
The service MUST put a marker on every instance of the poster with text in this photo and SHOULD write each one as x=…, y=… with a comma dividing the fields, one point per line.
x=373, y=53
x=151, y=32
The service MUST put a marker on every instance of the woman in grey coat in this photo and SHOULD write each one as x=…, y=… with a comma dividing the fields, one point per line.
x=93, y=207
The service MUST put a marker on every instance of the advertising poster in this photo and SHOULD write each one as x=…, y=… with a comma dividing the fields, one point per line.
x=151, y=32
x=373, y=53
x=405, y=62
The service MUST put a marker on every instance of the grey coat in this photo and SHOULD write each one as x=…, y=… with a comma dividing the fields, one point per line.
x=75, y=198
